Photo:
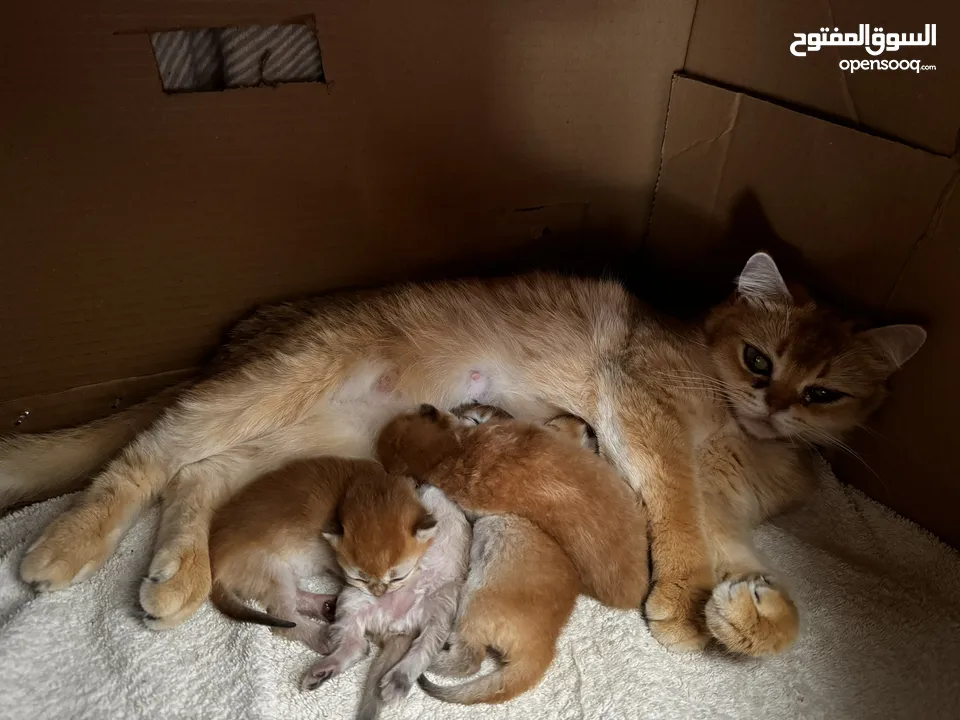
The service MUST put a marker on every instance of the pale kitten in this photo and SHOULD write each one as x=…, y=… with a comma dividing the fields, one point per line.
x=421, y=609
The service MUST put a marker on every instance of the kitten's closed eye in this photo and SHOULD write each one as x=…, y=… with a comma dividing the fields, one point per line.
x=756, y=362
x=401, y=578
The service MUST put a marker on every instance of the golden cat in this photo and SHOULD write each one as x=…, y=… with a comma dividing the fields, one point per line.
x=708, y=423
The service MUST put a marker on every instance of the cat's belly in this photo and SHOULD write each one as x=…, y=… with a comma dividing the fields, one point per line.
x=347, y=422
x=395, y=612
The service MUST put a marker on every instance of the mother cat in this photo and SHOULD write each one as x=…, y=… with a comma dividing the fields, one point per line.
x=708, y=425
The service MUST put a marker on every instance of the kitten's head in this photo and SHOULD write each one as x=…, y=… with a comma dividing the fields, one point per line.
x=380, y=532
x=416, y=442
x=791, y=369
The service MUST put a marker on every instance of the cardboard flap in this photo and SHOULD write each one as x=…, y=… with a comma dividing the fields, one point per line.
x=843, y=199
x=746, y=44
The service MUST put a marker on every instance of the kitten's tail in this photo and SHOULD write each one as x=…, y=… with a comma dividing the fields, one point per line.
x=393, y=650
x=37, y=467
x=231, y=606
x=514, y=677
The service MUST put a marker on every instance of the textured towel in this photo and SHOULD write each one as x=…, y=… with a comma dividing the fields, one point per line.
x=879, y=598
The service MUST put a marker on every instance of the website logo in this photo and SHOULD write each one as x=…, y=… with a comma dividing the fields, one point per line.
x=876, y=42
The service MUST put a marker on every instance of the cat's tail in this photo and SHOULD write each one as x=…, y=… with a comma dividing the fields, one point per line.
x=231, y=606
x=514, y=677
x=393, y=650
x=37, y=467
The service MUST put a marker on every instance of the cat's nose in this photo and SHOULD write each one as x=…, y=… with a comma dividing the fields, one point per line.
x=378, y=589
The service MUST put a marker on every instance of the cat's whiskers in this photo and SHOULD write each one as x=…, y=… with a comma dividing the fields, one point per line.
x=869, y=430
x=831, y=441
x=699, y=382
x=693, y=375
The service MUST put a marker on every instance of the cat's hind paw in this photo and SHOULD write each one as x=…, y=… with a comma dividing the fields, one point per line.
x=395, y=685
x=70, y=550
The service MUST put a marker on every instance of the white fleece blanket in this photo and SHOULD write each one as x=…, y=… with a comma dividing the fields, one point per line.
x=879, y=596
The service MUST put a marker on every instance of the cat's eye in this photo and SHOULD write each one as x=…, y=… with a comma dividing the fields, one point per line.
x=756, y=362
x=395, y=580
x=822, y=395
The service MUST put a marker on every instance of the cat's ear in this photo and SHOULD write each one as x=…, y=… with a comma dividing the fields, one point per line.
x=896, y=343
x=333, y=531
x=761, y=280
x=425, y=528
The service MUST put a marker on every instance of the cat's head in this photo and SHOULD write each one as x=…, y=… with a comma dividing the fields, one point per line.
x=416, y=442
x=791, y=369
x=380, y=532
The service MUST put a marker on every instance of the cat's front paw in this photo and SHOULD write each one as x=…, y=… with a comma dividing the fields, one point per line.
x=396, y=685
x=674, y=614
x=750, y=614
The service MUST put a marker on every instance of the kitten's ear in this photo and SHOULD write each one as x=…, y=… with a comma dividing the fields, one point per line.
x=425, y=528
x=762, y=281
x=896, y=343
x=333, y=531
x=429, y=411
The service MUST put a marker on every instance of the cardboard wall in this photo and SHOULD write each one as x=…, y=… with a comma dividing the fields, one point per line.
x=745, y=44
x=136, y=225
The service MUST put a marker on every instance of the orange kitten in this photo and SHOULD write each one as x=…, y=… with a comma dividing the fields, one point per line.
x=273, y=532
x=519, y=594
x=539, y=473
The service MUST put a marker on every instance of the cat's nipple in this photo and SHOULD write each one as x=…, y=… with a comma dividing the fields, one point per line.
x=387, y=382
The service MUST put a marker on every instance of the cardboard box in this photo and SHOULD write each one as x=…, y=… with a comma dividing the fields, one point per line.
x=459, y=137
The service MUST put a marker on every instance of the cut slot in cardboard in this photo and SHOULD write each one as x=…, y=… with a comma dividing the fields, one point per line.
x=209, y=59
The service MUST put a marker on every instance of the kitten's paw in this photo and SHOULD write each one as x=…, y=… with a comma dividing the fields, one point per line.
x=395, y=685
x=751, y=615
x=673, y=612
x=176, y=586
x=319, y=673
x=70, y=550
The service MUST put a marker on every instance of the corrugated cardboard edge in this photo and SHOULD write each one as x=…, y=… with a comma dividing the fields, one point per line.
x=734, y=116
x=929, y=232
x=40, y=413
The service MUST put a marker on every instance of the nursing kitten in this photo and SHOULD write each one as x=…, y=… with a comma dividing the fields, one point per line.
x=519, y=594
x=709, y=423
x=272, y=533
x=539, y=473
x=406, y=598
